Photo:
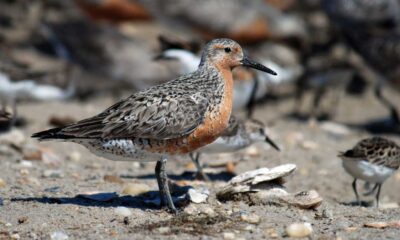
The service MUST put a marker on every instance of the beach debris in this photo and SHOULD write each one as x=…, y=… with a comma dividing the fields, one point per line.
x=123, y=211
x=262, y=179
x=198, y=195
x=304, y=199
x=265, y=186
x=14, y=138
x=299, y=230
x=229, y=236
x=250, y=218
x=58, y=235
x=390, y=224
x=98, y=196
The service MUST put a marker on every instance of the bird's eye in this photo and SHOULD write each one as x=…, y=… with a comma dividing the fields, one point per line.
x=227, y=50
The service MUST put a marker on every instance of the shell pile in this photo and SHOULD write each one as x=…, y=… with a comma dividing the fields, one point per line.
x=265, y=186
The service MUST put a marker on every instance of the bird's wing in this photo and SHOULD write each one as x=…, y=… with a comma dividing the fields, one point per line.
x=150, y=114
x=376, y=150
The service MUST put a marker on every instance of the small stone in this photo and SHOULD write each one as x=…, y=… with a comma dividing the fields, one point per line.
x=252, y=151
x=299, y=230
x=228, y=235
x=164, y=230
x=13, y=138
x=15, y=236
x=309, y=145
x=123, y=211
x=52, y=173
x=208, y=211
x=198, y=195
x=74, y=156
x=58, y=236
x=2, y=183
x=8, y=224
x=134, y=189
x=112, y=179
x=191, y=210
x=271, y=233
x=250, y=218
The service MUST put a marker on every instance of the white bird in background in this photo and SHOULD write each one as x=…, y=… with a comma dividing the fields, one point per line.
x=29, y=90
x=242, y=91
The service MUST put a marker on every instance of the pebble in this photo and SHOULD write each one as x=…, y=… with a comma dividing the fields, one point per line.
x=2, y=183
x=74, y=156
x=198, y=195
x=164, y=230
x=208, y=211
x=123, y=211
x=335, y=128
x=113, y=179
x=228, y=235
x=271, y=233
x=15, y=236
x=51, y=173
x=15, y=137
x=191, y=210
x=58, y=236
x=135, y=189
x=299, y=230
x=250, y=218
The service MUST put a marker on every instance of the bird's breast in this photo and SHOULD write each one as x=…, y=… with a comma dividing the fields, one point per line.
x=215, y=121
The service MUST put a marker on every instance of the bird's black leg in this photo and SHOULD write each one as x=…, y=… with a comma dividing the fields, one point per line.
x=355, y=191
x=377, y=194
x=162, y=180
x=200, y=174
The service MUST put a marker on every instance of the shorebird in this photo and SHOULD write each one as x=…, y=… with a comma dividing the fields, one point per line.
x=372, y=160
x=238, y=135
x=176, y=117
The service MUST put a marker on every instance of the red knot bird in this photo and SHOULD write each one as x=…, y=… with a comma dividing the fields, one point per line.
x=238, y=135
x=176, y=117
x=372, y=160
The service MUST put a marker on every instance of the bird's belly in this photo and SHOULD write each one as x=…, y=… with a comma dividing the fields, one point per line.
x=119, y=150
x=367, y=171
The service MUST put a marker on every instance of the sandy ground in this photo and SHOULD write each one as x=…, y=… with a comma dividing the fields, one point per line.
x=35, y=205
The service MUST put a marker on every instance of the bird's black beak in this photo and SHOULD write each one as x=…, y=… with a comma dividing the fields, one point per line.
x=250, y=63
x=272, y=143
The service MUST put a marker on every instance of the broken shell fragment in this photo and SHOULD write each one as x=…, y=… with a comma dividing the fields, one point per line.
x=262, y=179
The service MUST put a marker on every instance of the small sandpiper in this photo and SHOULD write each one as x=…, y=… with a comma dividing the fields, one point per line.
x=372, y=160
x=176, y=117
x=238, y=135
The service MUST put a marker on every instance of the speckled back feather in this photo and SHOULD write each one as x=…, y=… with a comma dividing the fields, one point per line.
x=376, y=150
